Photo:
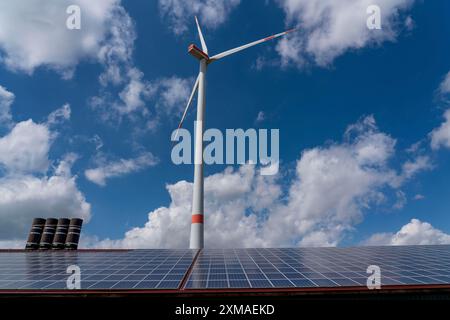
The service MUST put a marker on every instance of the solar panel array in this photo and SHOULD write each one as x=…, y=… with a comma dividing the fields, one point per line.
x=226, y=268
x=319, y=267
x=135, y=269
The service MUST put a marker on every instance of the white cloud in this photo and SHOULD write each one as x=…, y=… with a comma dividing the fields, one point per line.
x=34, y=33
x=117, y=49
x=351, y=175
x=135, y=93
x=415, y=232
x=28, y=188
x=59, y=115
x=329, y=28
x=173, y=94
x=107, y=170
x=181, y=13
x=440, y=137
x=410, y=168
x=228, y=196
x=29, y=32
x=332, y=188
x=167, y=95
x=444, y=87
x=6, y=100
x=25, y=148
x=24, y=197
x=401, y=200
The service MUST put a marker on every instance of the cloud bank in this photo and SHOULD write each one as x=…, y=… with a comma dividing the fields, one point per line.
x=332, y=188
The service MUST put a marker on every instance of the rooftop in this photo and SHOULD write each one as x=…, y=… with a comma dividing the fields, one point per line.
x=230, y=271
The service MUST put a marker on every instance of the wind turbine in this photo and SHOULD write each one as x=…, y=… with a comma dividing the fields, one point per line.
x=196, y=239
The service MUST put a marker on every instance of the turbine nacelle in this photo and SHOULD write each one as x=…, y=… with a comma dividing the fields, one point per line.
x=197, y=52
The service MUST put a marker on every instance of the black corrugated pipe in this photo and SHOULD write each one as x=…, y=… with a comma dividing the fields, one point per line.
x=62, y=229
x=49, y=233
x=34, y=237
x=73, y=236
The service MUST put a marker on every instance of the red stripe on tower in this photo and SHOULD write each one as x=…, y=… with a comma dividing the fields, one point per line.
x=197, y=218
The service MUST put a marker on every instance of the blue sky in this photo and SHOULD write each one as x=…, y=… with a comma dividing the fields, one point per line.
x=389, y=84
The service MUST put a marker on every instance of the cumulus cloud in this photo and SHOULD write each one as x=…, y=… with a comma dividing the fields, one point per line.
x=135, y=93
x=29, y=32
x=25, y=196
x=228, y=196
x=121, y=167
x=34, y=34
x=6, y=100
x=328, y=28
x=415, y=232
x=332, y=187
x=30, y=186
x=25, y=148
x=351, y=175
x=180, y=13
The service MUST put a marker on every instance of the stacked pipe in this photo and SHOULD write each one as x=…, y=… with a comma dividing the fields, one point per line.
x=54, y=233
x=48, y=234
x=73, y=236
x=61, y=233
x=34, y=237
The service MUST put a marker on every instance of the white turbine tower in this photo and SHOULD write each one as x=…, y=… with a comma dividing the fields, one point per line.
x=196, y=241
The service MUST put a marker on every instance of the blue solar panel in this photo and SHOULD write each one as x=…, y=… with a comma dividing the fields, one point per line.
x=319, y=267
x=140, y=269
x=225, y=268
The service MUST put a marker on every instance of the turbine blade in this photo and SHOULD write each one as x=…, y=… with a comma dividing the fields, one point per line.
x=200, y=34
x=187, y=107
x=251, y=44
